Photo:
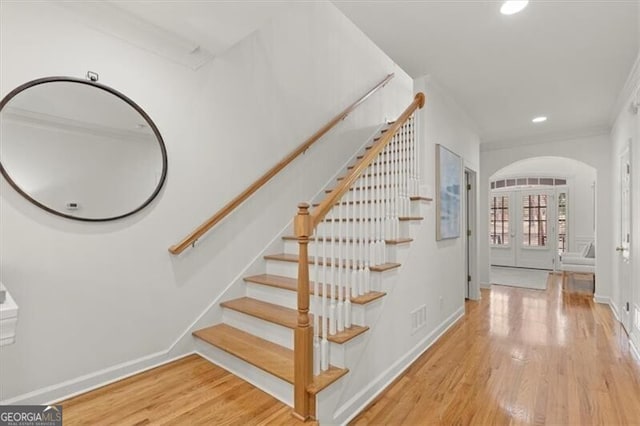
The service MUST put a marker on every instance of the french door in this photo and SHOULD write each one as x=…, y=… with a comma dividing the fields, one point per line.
x=523, y=228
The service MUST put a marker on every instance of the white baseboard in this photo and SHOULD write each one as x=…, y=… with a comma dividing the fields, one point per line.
x=363, y=398
x=614, y=309
x=634, y=350
x=602, y=299
x=485, y=285
x=88, y=382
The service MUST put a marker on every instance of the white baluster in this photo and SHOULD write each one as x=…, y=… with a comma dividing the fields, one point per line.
x=396, y=177
x=317, y=355
x=416, y=155
x=362, y=243
x=382, y=251
x=339, y=260
x=370, y=219
x=403, y=171
x=324, y=346
x=366, y=236
x=332, y=307
x=387, y=189
x=355, y=274
x=349, y=272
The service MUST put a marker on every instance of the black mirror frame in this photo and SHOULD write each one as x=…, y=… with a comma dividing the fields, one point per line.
x=124, y=98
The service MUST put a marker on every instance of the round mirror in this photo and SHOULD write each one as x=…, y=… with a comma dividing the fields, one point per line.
x=80, y=149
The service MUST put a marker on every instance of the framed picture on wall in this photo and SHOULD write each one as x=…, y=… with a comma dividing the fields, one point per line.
x=448, y=193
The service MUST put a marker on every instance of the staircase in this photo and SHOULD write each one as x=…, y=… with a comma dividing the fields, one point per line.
x=343, y=266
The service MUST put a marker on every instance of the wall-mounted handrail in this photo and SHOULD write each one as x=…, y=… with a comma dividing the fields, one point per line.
x=305, y=224
x=242, y=197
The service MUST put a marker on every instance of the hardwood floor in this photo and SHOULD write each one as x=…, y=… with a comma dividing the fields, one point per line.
x=518, y=357
x=190, y=391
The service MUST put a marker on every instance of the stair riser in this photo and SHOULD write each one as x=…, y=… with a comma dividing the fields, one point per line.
x=378, y=177
x=272, y=385
x=371, y=210
x=324, y=228
x=288, y=299
x=346, y=250
x=275, y=333
x=290, y=269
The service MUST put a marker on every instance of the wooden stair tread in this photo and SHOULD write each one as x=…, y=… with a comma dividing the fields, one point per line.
x=291, y=284
x=383, y=162
x=359, y=189
x=267, y=356
x=285, y=317
x=412, y=198
x=326, y=378
x=350, y=240
x=285, y=257
x=400, y=218
x=272, y=358
x=266, y=311
x=367, y=175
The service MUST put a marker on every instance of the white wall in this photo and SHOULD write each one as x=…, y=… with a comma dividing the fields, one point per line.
x=100, y=300
x=444, y=122
x=626, y=129
x=592, y=150
x=580, y=179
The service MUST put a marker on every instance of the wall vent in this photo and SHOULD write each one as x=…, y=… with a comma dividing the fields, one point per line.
x=418, y=318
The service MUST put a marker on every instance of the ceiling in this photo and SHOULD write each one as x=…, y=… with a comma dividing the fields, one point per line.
x=567, y=60
x=215, y=24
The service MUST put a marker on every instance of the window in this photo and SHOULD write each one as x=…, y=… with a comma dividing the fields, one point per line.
x=534, y=220
x=499, y=221
x=562, y=222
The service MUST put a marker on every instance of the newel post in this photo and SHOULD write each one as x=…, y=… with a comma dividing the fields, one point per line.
x=303, y=338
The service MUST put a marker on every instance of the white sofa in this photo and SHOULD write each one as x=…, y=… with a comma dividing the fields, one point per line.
x=580, y=262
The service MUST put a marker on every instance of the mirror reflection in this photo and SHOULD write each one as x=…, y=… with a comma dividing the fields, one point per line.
x=80, y=149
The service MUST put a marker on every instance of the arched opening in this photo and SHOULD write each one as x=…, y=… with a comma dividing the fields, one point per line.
x=540, y=209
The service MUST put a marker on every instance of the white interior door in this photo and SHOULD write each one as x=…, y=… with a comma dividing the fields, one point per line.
x=624, y=240
x=536, y=242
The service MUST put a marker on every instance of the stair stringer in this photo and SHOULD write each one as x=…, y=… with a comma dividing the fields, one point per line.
x=390, y=347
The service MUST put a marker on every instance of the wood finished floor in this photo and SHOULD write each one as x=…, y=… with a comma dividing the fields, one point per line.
x=517, y=357
x=520, y=357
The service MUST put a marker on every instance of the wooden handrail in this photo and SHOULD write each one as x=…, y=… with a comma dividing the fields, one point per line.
x=304, y=225
x=242, y=197
x=334, y=196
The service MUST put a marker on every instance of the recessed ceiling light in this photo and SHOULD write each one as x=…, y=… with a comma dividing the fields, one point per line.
x=539, y=119
x=513, y=6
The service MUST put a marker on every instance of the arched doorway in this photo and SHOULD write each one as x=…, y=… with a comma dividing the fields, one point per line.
x=540, y=208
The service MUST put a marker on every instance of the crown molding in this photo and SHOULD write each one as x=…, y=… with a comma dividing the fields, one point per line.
x=631, y=86
x=110, y=19
x=582, y=133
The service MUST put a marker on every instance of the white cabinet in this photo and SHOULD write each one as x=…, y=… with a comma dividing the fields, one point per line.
x=8, y=319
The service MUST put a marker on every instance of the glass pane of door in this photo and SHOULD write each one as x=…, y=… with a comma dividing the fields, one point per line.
x=499, y=221
x=562, y=223
x=534, y=220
